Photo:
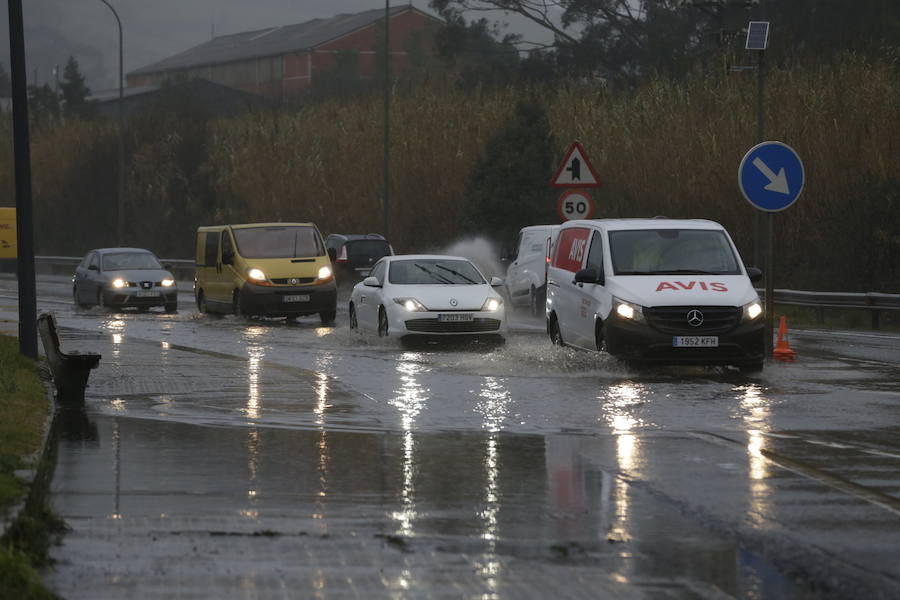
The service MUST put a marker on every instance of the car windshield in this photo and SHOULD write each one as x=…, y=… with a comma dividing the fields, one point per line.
x=121, y=261
x=278, y=242
x=434, y=271
x=672, y=252
x=367, y=249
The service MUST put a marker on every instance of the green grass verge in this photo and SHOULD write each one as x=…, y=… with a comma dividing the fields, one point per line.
x=23, y=414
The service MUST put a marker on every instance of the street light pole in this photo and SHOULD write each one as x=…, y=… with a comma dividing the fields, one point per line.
x=386, y=208
x=22, y=165
x=120, y=226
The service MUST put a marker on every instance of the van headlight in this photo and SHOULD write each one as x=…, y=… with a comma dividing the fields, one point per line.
x=256, y=275
x=324, y=273
x=752, y=310
x=628, y=310
x=492, y=304
x=411, y=304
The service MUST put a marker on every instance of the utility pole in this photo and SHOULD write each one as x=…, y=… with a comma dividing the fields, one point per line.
x=120, y=224
x=24, y=213
x=386, y=207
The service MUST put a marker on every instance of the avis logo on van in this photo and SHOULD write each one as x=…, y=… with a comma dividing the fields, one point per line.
x=677, y=286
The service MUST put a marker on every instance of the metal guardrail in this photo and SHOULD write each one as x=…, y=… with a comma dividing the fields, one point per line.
x=874, y=302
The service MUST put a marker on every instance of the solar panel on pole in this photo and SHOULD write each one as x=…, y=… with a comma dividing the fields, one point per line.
x=757, y=35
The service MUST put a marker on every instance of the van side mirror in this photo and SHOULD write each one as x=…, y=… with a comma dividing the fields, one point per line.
x=93, y=268
x=371, y=282
x=590, y=276
x=754, y=274
x=332, y=254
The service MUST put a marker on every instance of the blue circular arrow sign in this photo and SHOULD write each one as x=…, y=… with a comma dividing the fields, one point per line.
x=771, y=176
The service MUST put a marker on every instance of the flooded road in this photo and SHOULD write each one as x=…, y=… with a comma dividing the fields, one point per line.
x=221, y=457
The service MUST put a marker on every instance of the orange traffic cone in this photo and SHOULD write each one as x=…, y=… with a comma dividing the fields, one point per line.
x=782, y=349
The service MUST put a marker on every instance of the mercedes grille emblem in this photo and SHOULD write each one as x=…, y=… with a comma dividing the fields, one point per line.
x=453, y=302
x=695, y=318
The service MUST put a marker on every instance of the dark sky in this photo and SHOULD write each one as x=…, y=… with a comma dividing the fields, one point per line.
x=154, y=29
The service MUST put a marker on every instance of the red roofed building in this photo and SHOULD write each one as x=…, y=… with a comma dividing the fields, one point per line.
x=283, y=62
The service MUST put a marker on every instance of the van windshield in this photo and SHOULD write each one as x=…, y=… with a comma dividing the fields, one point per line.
x=278, y=242
x=672, y=252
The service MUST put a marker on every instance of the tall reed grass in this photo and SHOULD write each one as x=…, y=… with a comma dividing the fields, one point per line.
x=667, y=147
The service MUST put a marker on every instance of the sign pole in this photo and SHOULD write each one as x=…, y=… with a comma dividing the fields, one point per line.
x=770, y=281
x=24, y=217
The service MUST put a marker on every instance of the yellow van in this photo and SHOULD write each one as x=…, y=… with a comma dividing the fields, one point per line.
x=264, y=269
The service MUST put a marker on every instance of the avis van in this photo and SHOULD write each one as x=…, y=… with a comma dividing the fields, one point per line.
x=655, y=290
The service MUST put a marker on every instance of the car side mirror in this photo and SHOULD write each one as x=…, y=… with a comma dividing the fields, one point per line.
x=371, y=282
x=496, y=281
x=590, y=276
x=93, y=268
x=332, y=254
x=754, y=274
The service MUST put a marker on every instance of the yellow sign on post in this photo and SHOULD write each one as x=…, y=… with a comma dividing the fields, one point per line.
x=8, y=244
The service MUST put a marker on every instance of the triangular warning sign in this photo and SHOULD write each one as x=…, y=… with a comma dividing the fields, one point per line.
x=576, y=171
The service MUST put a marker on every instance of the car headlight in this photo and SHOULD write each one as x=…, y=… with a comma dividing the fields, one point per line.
x=492, y=304
x=628, y=310
x=256, y=275
x=324, y=273
x=411, y=304
x=167, y=282
x=119, y=283
x=752, y=310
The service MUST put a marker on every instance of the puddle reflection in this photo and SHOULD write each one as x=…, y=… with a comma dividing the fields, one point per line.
x=409, y=401
x=755, y=411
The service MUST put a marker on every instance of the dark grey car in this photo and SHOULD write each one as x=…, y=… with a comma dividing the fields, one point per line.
x=124, y=277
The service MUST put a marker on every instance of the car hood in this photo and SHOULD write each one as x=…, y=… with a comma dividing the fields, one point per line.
x=442, y=297
x=138, y=275
x=682, y=290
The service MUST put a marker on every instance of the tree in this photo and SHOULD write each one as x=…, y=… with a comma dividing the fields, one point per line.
x=74, y=91
x=43, y=104
x=510, y=186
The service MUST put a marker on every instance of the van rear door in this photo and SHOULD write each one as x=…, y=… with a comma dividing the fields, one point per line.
x=571, y=252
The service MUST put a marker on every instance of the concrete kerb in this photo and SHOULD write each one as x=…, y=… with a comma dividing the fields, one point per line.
x=34, y=474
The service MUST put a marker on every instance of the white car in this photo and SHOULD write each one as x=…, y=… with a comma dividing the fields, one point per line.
x=427, y=295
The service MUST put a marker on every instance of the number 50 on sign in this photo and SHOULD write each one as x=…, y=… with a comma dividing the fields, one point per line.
x=575, y=204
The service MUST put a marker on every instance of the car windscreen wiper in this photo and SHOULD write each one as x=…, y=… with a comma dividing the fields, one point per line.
x=436, y=276
x=457, y=273
x=687, y=272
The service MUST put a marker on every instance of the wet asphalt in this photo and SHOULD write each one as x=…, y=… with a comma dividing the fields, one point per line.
x=227, y=458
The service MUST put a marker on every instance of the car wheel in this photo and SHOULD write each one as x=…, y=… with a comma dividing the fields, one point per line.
x=171, y=307
x=536, y=303
x=599, y=338
x=753, y=367
x=201, y=301
x=327, y=316
x=382, y=323
x=236, y=306
x=554, y=332
x=75, y=299
x=354, y=324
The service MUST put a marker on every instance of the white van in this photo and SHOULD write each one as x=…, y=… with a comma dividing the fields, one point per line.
x=526, y=275
x=655, y=290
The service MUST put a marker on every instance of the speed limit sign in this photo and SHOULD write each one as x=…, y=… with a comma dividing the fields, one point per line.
x=575, y=204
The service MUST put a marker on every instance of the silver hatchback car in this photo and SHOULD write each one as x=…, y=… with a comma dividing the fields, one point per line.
x=124, y=277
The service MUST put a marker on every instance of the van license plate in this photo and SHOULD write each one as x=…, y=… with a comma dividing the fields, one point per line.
x=147, y=294
x=297, y=298
x=695, y=341
x=455, y=317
